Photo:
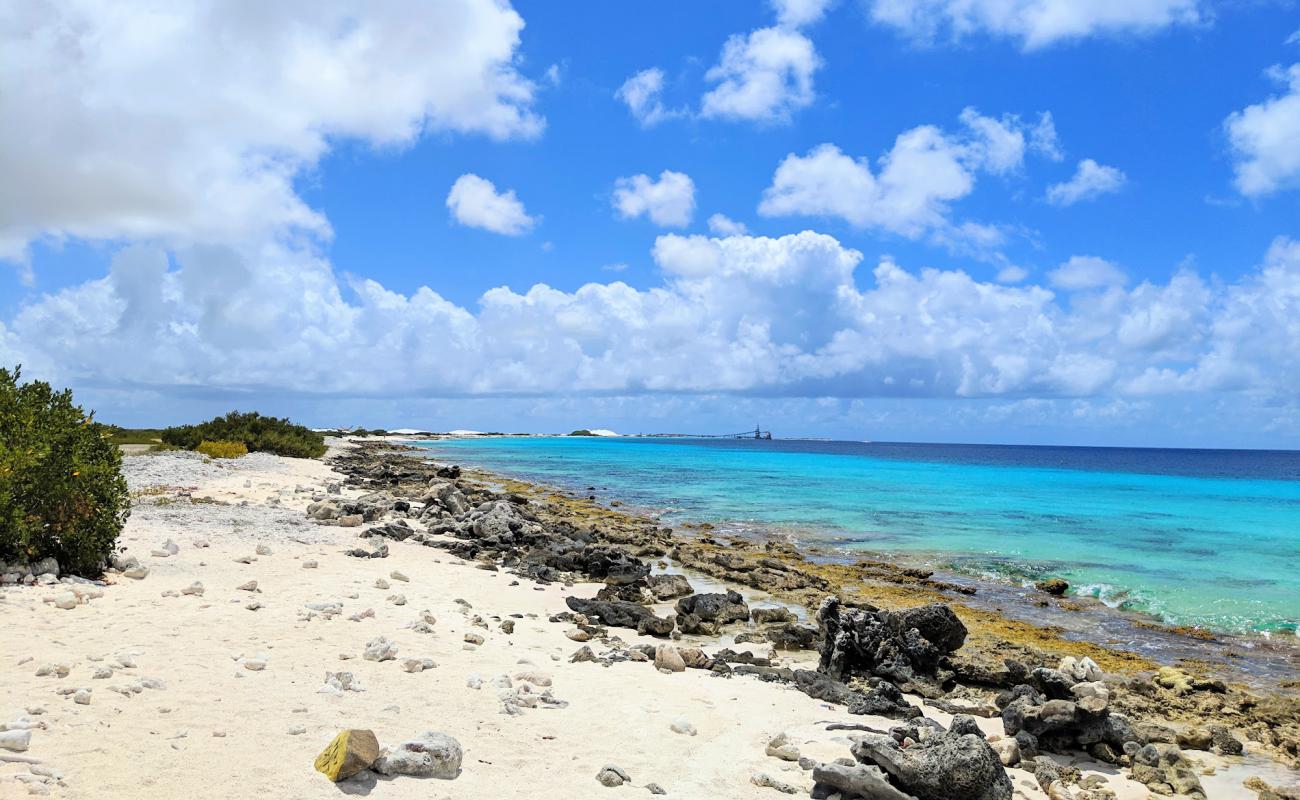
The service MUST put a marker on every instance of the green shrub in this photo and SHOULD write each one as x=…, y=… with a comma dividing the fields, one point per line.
x=118, y=435
x=222, y=449
x=582, y=432
x=62, y=494
x=258, y=434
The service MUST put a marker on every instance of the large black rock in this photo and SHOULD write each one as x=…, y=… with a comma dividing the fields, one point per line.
x=906, y=647
x=621, y=614
x=707, y=613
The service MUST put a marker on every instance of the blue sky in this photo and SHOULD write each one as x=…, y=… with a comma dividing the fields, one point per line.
x=186, y=236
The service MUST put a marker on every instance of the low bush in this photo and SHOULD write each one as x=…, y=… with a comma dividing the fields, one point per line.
x=256, y=432
x=222, y=449
x=62, y=494
x=581, y=432
x=118, y=435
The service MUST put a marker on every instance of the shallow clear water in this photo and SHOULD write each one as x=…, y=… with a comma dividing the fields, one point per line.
x=1195, y=537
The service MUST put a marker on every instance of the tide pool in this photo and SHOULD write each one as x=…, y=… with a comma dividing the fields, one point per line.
x=1195, y=537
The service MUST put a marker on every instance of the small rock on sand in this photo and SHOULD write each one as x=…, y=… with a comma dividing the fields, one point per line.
x=763, y=779
x=67, y=600
x=610, y=775
x=195, y=589
x=398, y=576
x=683, y=727
x=247, y=586
x=379, y=649
x=780, y=747
x=668, y=658
x=309, y=565
x=81, y=697
x=534, y=677
x=263, y=550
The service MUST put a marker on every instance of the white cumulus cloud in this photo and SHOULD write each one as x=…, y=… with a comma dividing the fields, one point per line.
x=1265, y=139
x=1012, y=274
x=189, y=121
x=798, y=13
x=643, y=95
x=1035, y=23
x=722, y=225
x=669, y=202
x=1081, y=273
x=910, y=192
x=792, y=316
x=475, y=202
x=1091, y=180
x=764, y=76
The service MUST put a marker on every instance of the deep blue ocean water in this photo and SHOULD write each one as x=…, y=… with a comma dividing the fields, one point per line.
x=1197, y=537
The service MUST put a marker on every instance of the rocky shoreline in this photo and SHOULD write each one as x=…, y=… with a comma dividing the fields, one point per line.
x=475, y=629
x=881, y=631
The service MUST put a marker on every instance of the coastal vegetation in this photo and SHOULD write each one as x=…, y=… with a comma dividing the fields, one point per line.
x=582, y=432
x=256, y=432
x=62, y=494
x=222, y=449
x=120, y=435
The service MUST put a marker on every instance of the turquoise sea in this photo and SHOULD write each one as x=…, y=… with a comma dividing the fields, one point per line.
x=1195, y=537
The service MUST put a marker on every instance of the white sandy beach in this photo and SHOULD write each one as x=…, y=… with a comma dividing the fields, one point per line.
x=215, y=728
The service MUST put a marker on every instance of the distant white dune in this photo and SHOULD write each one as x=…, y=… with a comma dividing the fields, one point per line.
x=407, y=431
x=464, y=433
x=603, y=432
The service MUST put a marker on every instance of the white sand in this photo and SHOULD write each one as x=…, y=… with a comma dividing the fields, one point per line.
x=168, y=742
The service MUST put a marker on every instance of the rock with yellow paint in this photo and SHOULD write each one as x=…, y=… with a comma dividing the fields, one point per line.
x=351, y=751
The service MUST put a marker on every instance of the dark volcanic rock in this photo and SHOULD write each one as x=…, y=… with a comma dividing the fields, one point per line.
x=398, y=530
x=1056, y=724
x=628, y=592
x=907, y=647
x=771, y=616
x=707, y=613
x=955, y=764
x=668, y=587
x=1053, y=586
x=792, y=637
x=621, y=614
